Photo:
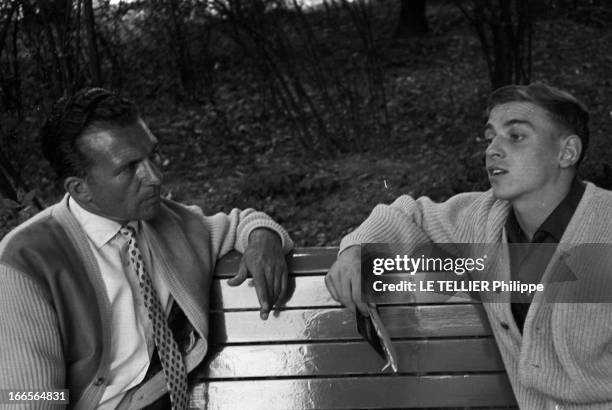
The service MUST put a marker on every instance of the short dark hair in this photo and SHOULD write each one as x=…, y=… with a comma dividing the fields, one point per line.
x=563, y=108
x=69, y=120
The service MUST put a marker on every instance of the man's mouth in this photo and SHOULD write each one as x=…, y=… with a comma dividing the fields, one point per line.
x=495, y=171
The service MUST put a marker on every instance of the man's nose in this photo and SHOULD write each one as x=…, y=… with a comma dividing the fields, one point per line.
x=150, y=173
x=495, y=148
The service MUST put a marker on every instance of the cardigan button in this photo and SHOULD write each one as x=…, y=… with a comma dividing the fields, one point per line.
x=99, y=381
x=505, y=325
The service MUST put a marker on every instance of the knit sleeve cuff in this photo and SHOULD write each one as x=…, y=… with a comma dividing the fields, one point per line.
x=258, y=220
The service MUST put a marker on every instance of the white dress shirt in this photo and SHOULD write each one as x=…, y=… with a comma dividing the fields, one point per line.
x=132, y=335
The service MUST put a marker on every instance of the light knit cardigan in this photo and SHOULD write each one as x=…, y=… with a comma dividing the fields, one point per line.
x=563, y=360
x=30, y=343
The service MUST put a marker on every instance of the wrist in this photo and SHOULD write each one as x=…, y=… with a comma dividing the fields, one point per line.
x=264, y=235
x=351, y=251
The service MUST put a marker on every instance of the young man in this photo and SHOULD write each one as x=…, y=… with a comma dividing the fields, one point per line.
x=106, y=292
x=558, y=355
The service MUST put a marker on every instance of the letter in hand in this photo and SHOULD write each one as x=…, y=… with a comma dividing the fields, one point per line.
x=344, y=280
x=265, y=261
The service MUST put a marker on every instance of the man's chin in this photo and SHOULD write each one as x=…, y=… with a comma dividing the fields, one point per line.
x=151, y=211
x=501, y=194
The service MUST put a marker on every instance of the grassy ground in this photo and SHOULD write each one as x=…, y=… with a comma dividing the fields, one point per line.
x=436, y=88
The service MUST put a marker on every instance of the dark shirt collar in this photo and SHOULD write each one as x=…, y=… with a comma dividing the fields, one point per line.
x=554, y=226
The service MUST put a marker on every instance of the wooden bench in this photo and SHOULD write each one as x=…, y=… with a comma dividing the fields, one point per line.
x=310, y=355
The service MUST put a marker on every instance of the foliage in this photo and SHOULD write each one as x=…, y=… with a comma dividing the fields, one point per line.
x=17, y=211
x=300, y=183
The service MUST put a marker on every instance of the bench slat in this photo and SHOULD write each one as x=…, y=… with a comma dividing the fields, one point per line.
x=339, y=324
x=357, y=393
x=309, y=355
x=302, y=261
x=326, y=359
x=308, y=291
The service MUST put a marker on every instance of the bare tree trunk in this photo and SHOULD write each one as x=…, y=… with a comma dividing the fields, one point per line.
x=412, y=20
x=61, y=69
x=375, y=74
x=77, y=40
x=11, y=91
x=16, y=81
x=179, y=44
x=6, y=187
x=94, y=59
x=5, y=28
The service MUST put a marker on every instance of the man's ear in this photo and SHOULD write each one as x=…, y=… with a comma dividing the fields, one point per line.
x=570, y=151
x=78, y=188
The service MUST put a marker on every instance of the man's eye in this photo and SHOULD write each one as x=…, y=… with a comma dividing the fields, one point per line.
x=517, y=137
x=130, y=167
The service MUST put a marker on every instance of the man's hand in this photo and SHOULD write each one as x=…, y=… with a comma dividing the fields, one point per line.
x=344, y=280
x=265, y=260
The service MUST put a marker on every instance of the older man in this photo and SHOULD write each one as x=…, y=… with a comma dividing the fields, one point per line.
x=106, y=292
x=557, y=355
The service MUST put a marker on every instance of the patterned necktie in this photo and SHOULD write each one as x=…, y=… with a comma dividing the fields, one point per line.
x=169, y=353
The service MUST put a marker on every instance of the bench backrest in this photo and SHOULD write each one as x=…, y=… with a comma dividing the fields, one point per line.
x=310, y=356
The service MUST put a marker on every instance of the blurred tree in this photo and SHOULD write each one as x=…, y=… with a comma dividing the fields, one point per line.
x=412, y=20
x=7, y=190
x=9, y=71
x=53, y=19
x=10, y=86
x=90, y=23
x=175, y=28
x=505, y=30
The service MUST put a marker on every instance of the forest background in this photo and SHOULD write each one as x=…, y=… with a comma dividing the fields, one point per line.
x=313, y=112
